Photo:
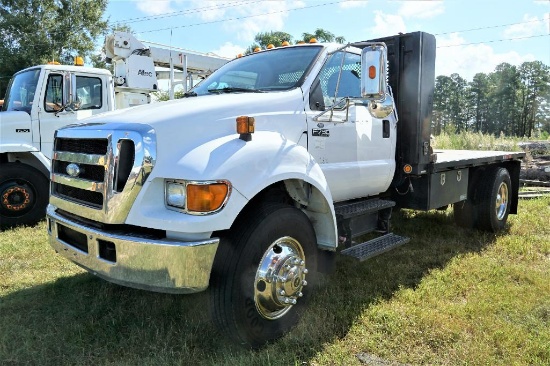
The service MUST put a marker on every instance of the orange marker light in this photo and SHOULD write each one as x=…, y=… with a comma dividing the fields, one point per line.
x=313, y=40
x=206, y=197
x=407, y=169
x=78, y=61
x=245, y=124
x=285, y=43
x=372, y=72
x=257, y=49
x=270, y=46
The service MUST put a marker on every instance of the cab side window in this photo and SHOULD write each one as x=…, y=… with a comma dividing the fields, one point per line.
x=54, y=93
x=88, y=92
x=327, y=85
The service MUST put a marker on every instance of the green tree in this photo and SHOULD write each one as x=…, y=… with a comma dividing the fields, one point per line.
x=477, y=99
x=322, y=35
x=38, y=31
x=264, y=39
x=534, y=95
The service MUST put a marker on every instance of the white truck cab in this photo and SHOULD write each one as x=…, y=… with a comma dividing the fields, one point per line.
x=37, y=103
x=44, y=98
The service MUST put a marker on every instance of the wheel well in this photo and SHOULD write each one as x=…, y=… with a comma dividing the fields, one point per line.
x=25, y=158
x=306, y=197
x=513, y=168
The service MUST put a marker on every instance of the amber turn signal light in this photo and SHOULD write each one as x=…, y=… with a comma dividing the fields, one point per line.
x=206, y=197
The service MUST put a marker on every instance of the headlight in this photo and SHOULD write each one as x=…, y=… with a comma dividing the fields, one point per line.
x=175, y=194
x=197, y=197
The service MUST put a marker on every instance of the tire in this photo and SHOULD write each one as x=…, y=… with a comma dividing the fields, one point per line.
x=24, y=194
x=495, y=189
x=246, y=303
x=464, y=214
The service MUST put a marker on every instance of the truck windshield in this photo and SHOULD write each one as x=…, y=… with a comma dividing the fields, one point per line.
x=20, y=92
x=276, y=70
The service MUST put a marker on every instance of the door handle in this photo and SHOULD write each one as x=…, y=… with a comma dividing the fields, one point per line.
x=385, y=129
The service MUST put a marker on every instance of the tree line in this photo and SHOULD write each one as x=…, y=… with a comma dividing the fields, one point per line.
x=513, y=100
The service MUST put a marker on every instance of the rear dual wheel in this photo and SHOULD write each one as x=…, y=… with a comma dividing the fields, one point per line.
x=262, y=275
x=490, y=212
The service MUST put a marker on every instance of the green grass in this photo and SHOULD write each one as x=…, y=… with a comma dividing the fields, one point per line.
x=449, y=297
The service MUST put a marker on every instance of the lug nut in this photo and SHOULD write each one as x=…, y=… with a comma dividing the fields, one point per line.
x=287, y=300
x=302, y=263
x=293, y=301
x=300, y=294
x=282, y=293
x=304, y=283
x=305, y=271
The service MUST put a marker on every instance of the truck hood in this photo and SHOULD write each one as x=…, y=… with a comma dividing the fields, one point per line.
x=183, y=124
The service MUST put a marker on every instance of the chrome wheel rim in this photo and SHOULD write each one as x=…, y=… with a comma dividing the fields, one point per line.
x=280, y=278
x=502, y=201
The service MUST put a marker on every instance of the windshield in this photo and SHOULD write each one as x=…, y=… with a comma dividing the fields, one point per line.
x=20, y=93
x=280, y=69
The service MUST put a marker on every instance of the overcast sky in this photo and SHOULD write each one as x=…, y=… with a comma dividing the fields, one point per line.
x=472, y=36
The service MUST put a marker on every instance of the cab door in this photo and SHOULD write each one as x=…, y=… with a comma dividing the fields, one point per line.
x=354, y=150
x=90, y=100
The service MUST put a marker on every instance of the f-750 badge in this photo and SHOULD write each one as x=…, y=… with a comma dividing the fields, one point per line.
x=322, y=132
x=24, y=130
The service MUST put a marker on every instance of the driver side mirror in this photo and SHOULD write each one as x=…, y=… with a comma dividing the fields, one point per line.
x=374, y=76
x=70, y=101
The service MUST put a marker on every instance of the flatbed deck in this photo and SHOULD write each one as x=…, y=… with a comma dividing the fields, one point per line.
x=457, y=159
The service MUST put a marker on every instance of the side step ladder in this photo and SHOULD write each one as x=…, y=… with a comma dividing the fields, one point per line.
x=366, y=216
x=375, y=246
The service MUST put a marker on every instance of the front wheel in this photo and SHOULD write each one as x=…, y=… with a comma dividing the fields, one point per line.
x=262, y=274
x=23, y=195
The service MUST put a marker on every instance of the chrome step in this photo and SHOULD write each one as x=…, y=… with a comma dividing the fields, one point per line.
x=375, y=246
x=362, y=207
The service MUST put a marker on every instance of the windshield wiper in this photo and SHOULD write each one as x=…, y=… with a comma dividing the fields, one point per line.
x=233, y=89
x=189, y=94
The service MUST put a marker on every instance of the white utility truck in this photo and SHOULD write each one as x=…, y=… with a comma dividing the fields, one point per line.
x=41, y=99
x=249, y=184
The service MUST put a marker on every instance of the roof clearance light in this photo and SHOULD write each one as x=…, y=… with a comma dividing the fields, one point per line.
x=239, y=55
x=53, y=63
x=372, y=72
x=257, y=49
x=245, y=127
x=285, y=43
x=301, y=42
x=313, y=40
x=78, y=61
x=270, y=46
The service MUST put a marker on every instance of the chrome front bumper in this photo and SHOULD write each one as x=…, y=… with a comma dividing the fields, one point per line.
x=150, y=264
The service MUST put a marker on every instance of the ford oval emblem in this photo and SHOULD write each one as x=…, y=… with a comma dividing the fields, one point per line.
x=73, y=170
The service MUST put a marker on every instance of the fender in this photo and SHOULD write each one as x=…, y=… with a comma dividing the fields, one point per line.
x=250, y=167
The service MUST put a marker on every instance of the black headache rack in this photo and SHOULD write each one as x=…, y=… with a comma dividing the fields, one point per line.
x=411, y=66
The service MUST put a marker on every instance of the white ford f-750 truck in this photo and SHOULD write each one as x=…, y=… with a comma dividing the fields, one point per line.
x=249, y=184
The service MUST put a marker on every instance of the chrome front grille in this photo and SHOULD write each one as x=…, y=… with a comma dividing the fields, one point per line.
x=98, y=169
